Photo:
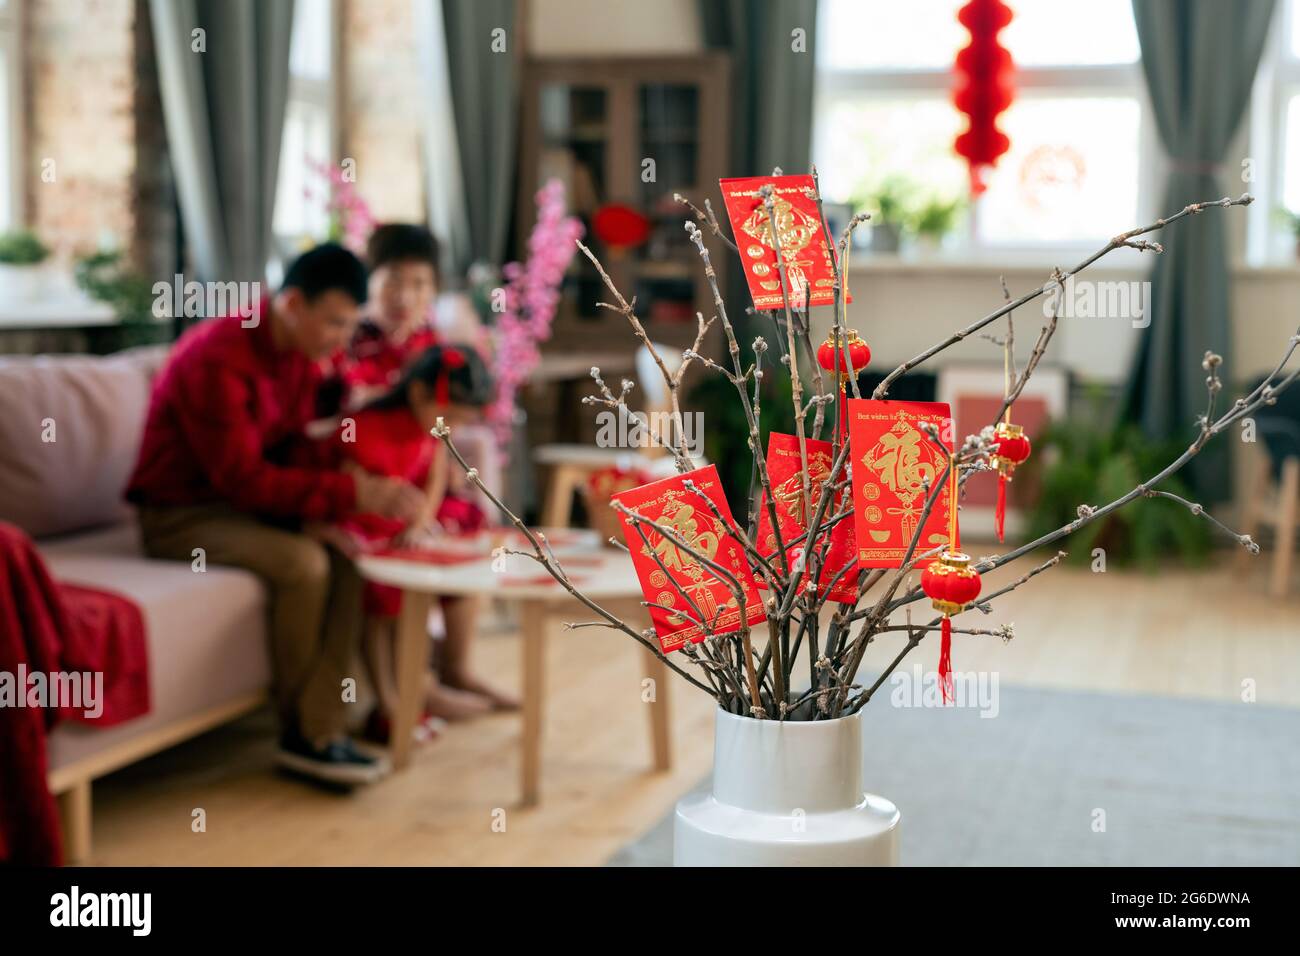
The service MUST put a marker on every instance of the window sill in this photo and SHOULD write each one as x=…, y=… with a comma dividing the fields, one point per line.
x=1268, y=270
x=60, y=312
x=1037, y=266
x=1017, y=263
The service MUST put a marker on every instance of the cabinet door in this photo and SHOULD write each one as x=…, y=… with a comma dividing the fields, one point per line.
x=668, y=131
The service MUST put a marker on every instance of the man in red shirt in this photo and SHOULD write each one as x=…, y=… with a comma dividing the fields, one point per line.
x=212, y=475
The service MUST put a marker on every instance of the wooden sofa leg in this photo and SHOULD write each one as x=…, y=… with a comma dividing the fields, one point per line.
x=74, y=814
x=1288, y=508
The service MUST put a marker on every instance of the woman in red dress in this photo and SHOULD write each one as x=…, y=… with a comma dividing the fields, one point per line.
x=391, y=436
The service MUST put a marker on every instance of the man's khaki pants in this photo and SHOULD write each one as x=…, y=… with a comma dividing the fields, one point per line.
x=315, y=615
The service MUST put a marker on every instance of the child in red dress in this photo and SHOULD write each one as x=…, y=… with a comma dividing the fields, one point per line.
x=390, y=436
x=403, y=261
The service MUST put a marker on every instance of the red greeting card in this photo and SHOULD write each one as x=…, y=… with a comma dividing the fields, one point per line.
x=784, y=470
x=667, y=502
x=894, y=463
x=810, y=270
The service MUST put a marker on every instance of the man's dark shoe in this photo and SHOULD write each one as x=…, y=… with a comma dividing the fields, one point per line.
x=338, y=762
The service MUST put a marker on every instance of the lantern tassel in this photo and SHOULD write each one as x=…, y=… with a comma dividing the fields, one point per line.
x=1001, y=513
x=945, y=659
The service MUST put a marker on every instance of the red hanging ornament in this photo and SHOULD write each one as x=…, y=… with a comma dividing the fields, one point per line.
x=451, y=359
x=951, y=584
x=1013, y=449
x=840, y=354
x=984, y=87
x=620, y=227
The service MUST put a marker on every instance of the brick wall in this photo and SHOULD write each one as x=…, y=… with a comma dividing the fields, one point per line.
x=80, y=90
x=382, y=94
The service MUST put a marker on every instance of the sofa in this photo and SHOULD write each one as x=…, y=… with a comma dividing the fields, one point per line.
x=69, y=437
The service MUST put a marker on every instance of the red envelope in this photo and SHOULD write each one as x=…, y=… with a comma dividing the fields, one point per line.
x=784, y=467
x=430, y=556
x=810, y=270
x=669, y=503
x=892, y=458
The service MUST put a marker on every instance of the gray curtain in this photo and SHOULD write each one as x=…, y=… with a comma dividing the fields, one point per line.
x=224, y=112
x=771, y=100
x=1199, y=59
x=485, y=96
x=772, y=85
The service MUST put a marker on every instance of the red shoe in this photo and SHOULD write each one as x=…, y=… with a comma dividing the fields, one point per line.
x=379, y=728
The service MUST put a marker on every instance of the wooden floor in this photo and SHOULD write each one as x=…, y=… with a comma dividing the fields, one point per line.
x=1186, y=634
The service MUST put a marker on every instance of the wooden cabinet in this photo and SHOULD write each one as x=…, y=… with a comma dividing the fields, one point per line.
x=629, y=131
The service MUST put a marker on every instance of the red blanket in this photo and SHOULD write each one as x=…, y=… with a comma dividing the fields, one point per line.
x=74, y=632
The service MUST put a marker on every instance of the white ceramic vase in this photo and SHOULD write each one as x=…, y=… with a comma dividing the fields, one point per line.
x=786, y=793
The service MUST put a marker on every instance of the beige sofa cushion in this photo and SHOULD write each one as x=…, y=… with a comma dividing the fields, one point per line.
x=206, y=633
x=94, y=408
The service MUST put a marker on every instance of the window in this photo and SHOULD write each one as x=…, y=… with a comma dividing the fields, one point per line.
x=308, y=143
x=1272, y=170
x=11, y=116
x=1081, y=140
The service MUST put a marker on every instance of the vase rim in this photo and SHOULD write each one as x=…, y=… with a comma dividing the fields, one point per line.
x=790, y=723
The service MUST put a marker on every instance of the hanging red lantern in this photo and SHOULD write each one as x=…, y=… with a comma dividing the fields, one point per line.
x=620, y=227
x=839, y=355
x=1013, y=449
x=951, y=584
x=984, y=87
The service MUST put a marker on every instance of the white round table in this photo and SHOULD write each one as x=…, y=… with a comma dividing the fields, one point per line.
x=474, y=567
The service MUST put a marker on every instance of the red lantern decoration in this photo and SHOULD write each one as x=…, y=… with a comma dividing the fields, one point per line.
x=950, y=583
x=984, y=87
x=620, y=227
x=1013, y=449
x=839, y=355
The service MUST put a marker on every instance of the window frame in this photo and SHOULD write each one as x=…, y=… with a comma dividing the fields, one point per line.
x=1062, y=81
x=319, y=94
x=12, y=160
x=1278, y=80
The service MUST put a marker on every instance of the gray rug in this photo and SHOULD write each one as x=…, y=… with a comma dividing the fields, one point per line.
x=1181, y=783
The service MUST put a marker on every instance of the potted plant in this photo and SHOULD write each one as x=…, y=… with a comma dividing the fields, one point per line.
x=788, y=784
x=1292, y=221
x=934, y=219
x=22, y=271
x=889, y=205
x=105, y=277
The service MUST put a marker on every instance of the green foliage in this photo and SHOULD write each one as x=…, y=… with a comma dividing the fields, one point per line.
x=890, y=201
x=1290, y=219
x=726, y=432
x=1081, y=462
x=104, y=277
x=21, y=247
x=937, y=216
